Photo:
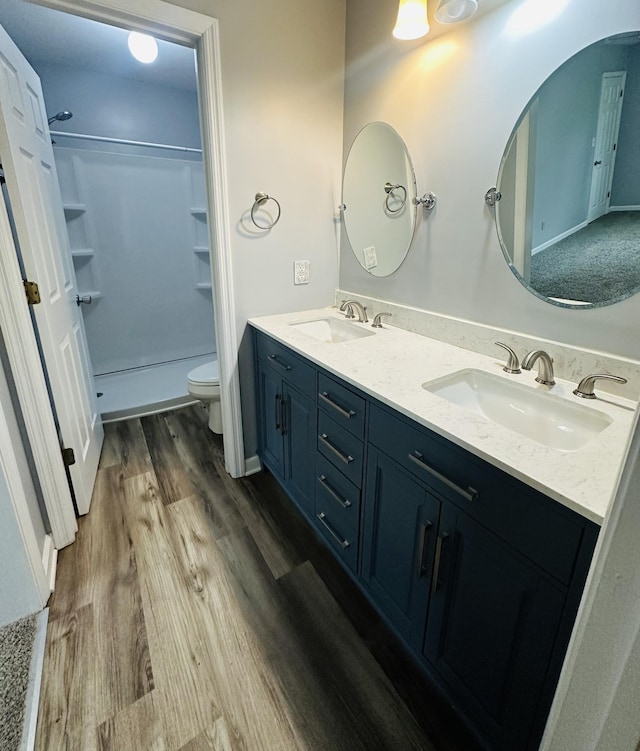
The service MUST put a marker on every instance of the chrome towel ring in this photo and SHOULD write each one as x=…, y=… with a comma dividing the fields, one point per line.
x=261, y=199
x=388, y=189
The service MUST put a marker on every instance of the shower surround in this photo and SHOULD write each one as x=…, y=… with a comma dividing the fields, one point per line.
x=138, y=235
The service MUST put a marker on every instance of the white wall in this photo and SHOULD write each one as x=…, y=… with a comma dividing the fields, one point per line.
x=282, y=79
x=454, y=101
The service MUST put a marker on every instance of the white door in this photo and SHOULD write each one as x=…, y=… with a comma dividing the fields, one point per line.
x=27, y=158
x=604, y=158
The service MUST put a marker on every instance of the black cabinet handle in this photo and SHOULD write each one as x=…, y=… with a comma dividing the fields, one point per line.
x=435, y=581
x=343, y=457
x=344, y=502
x=348, y=413
x=424, y=534
x=344, y=544
x=469, y=494
x=275, y=361
x=278, y=412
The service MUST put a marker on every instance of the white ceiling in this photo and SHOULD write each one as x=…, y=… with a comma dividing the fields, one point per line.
x=45, y=35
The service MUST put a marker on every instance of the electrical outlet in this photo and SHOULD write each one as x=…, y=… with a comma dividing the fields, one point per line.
x=301, y=272
x=370, y=257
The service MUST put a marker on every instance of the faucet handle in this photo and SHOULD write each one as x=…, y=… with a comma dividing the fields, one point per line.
x=585, y=387
x=347, y=309
x=376, y=320
x=512, y=366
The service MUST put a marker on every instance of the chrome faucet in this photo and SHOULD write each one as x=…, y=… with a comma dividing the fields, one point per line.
x=545, y=366
x=350, y=305
x=585, y=387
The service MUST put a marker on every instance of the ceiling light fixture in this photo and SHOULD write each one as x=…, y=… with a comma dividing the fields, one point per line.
x=452, y=11
x=143, y=47
x=412, y=19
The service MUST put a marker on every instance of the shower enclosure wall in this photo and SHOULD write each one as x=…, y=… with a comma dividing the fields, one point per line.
x=138, y=234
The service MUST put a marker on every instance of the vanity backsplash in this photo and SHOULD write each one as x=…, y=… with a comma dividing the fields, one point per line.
x=570, y=363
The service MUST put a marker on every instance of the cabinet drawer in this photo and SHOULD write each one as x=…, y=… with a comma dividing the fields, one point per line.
x=345, y=407
x=288, y=365
x=337, y=522
x=341, y=448
x=541, y=529
x=338, y=498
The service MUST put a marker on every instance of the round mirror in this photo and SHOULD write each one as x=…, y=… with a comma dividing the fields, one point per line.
x=568, y=218
x=378, y=193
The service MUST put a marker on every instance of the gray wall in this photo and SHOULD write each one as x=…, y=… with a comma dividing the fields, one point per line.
x=455, y=100
x=567, y=123
x=119, y=107
x=625, y=190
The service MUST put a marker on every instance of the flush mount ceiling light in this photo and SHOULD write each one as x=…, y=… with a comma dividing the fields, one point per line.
x=452, y=11
x=143, y=47
x=412, y=19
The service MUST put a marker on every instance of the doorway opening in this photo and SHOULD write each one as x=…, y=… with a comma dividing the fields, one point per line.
x=129, y=161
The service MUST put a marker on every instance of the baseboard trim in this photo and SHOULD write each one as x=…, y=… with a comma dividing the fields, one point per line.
x=624, y=208
x=252, y=465
x=559, y=237
x=32, y=699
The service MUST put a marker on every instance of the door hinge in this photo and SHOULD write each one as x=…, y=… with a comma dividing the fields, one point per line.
x=32, y=291
x=68, y=457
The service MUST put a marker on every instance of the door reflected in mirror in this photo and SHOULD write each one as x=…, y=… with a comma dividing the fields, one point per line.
x=569, y=217
x=378, y=193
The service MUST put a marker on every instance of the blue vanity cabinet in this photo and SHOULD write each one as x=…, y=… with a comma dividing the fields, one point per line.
x=287, y=418
x=479, y=574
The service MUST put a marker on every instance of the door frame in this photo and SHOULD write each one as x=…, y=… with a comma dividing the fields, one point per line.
x=182, y=26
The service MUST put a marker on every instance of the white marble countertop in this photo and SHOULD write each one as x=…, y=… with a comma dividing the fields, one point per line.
x=392, y=365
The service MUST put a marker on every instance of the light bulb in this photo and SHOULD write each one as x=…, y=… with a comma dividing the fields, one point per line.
x=143, y=47
x=412, y=20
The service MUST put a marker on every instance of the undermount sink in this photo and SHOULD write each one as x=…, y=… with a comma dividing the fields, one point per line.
x=547, y=419
x=332, y=330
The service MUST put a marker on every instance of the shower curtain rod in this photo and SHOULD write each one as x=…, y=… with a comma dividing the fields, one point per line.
x=124, y=141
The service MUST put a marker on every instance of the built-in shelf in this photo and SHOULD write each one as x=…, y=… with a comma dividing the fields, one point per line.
x=203, y=285
x=75, y=208
x=82, y=253
x=201, y=250
x=198, y=212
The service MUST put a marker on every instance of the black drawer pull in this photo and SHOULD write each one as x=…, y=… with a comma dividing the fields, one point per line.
x=344, y=544
x=470, y=494
x=435, y=581
x=278, y=413
x=424, y=533
x=348, y=413
x=343, y=457
x=342, y=501
x=283, y=365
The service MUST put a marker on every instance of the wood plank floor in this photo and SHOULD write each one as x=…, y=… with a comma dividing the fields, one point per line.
x=192, y=614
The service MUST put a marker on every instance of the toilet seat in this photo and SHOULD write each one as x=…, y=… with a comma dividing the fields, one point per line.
x=204, y=375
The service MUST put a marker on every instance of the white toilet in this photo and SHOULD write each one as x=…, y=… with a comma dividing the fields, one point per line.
x=204, y=384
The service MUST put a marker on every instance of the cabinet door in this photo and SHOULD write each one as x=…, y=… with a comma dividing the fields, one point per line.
x=270, y=412
x=300, y=436
x=401, y=520
x=492, y=624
